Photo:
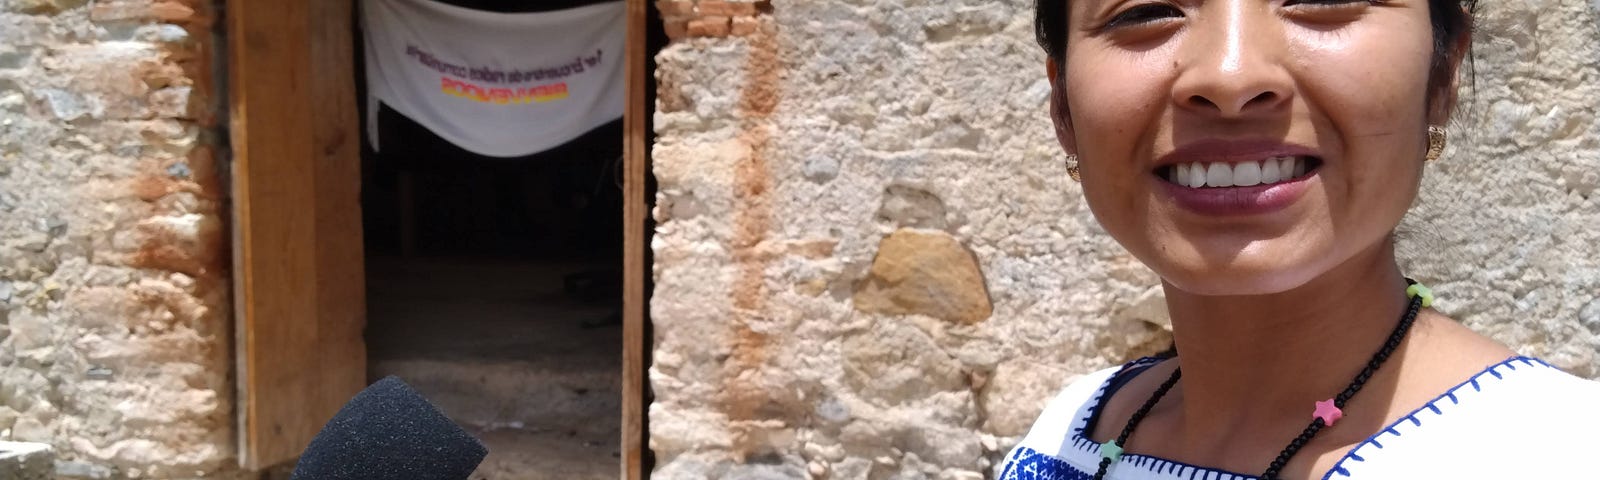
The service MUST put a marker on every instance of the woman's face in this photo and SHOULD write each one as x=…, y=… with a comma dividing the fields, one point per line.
x=1245, y=147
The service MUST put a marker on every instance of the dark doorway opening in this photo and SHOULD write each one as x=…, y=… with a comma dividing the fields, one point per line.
x=494, y=287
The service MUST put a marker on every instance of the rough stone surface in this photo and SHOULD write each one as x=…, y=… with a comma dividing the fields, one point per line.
x=925, y=273
x=787, y=155
x=114, y=338
x=1506, y=229
x=26, y=461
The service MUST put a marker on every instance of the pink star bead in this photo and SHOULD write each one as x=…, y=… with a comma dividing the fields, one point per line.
x=1328, y=412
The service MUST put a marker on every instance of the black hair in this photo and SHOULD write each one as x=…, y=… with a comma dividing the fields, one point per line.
x=1451, y=20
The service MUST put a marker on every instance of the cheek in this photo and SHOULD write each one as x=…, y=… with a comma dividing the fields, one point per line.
x=1370, y=81
x=1366, y=89
x=1119, y=106
x=1114, y=97
x=1117, y=100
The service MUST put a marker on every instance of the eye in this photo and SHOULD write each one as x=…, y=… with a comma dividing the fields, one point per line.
x=1329, y=3
x=1328, y=12
x=1142, y=14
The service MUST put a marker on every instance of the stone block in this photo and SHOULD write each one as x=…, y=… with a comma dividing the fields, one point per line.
x=44, y=7
x=912, y=207
x=895, y=363
x=12, y=57
x=26, y=461
x=1016, y=393
x=171, y=102
x=66, y=105
x=927, y=273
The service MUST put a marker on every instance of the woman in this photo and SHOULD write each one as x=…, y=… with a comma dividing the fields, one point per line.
x=1258, y=155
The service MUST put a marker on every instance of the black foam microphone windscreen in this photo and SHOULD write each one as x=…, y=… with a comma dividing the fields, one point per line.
x=387, y=432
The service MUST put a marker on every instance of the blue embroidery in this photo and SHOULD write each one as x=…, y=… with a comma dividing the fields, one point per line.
x=1029, y=464
x=1338, y=468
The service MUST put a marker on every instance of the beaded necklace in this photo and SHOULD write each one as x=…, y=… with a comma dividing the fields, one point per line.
x=1326, y=413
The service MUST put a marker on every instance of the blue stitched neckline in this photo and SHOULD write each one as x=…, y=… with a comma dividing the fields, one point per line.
x=1432, y=409
x=1160, y=465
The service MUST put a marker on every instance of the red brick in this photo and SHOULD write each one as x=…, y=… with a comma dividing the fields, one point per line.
x=745, y=25
x=725, y=8
x=709, y=27
x=166, y=11
x=675, y=8
x=676, y=29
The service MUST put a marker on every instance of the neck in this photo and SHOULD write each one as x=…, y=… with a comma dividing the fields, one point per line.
x=1254, y=362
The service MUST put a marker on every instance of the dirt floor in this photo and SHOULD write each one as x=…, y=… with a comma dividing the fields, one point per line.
x=501, y=348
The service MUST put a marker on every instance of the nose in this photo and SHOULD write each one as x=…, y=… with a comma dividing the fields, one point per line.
x=1232, y=64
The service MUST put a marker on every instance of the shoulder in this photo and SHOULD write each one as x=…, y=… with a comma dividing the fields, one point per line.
x=1069, y=406
x=1056, y=441
x=1522, y=389
x=1520, y=418
x=1551, y=422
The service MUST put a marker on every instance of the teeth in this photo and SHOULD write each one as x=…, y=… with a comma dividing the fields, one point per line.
x=1247, y=174
x=1219, y=175
x=1269, y=171
x=1243, y=174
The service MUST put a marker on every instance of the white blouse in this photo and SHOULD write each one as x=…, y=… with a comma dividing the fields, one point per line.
x=1520, y=418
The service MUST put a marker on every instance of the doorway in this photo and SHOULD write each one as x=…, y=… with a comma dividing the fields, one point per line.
x=299, y=185
x=494, y=286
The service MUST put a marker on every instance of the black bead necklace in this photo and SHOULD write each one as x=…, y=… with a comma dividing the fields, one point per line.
x=1326, y=413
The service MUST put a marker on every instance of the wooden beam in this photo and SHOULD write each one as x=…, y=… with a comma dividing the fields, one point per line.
x=636, y=210
x=299, y=289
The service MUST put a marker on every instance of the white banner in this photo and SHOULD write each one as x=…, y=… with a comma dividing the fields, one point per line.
x=497, y=84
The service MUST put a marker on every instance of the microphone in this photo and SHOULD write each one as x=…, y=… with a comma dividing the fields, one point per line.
x=389, y=432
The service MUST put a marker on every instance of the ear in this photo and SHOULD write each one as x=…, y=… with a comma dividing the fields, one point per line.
x=1443, y=94
x=1060, y=114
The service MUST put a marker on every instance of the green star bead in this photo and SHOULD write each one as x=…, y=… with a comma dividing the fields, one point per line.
x=1416, y=290
x=1111, y=450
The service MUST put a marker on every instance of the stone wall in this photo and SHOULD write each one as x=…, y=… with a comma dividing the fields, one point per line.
x=114, y=325
x=870, y=262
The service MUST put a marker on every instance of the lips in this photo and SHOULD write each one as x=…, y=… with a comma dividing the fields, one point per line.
x=1242, y=174
x=1227, y=178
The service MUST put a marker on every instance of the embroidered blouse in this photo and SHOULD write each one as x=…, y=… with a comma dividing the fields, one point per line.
x=1520, y=418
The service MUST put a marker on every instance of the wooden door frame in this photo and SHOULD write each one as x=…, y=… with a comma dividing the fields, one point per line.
x=636, y=212
x=299, y=281
x=299, y=293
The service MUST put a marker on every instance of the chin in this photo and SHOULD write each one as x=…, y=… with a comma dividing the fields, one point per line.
x=1240, y=275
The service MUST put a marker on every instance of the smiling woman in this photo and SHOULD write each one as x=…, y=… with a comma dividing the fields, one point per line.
x=1258, y=155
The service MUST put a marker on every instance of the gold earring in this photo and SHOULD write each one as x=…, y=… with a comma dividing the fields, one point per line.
x=1072, y=168
x=1436, y=138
